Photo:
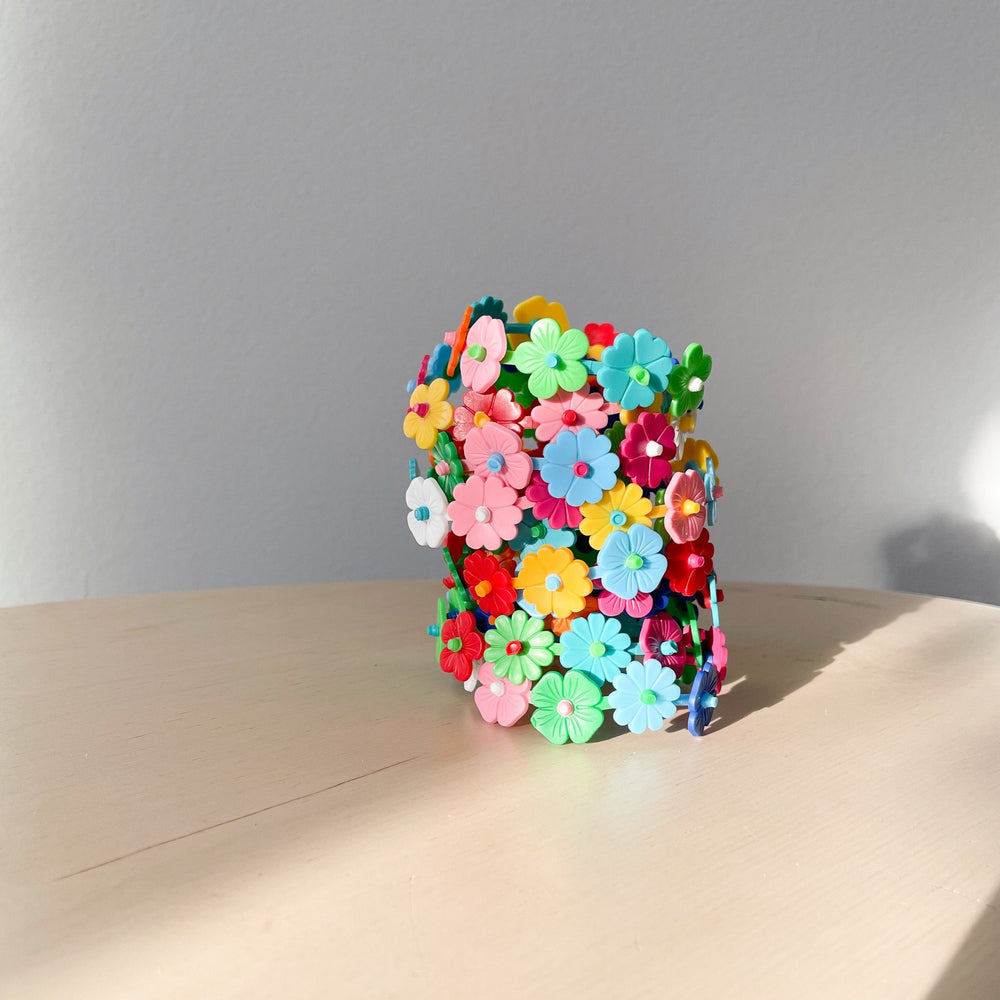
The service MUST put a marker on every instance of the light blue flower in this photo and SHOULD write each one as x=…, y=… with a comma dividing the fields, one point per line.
x=644, y=695
x=595, y=646
x=631, y=561
x=634, y=368
x=579, y=467
x=558, y=538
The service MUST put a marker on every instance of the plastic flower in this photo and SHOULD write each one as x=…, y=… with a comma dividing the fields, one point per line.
x=489, y=584
x=554, y=582
x=558, y=538
x=485, y=511
x=479, y=408
x=551, y=359
x=569, y=411
x=518, y=647
x=579, y=467
x=600, y=335
x=488, y=306
x=495, y=450
x=647, y=449
x=462, y=645
x=567, y=707
x=686, y=383
x=427, y=520
x=635, y=607
x=498, y=700
x=689, y=564
x=634, y=369
x=696, y=452
x=620, y=507
x=644, y=696
x=685, y=502
x=713, y=493
x=661, y=639
x=447, y=467
x=596, y=646
x=485, y=347
x=720, y=654
x=631, y=561
x=555, y=510
x=429, y=413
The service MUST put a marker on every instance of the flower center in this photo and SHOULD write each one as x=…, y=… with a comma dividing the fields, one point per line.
x=647, y=697
x=653, y=449
x=581, y=470
x=553, y=360
x=422, y=513
x=442, y=468
x=537, y=530
x=455, y=644
x=476, y=351
x=514, y=647
x=495, y=462
x=481, y=418
x=565, y=708
x=496, y=689
x=484, y=588
x=696, y=384
x=553, y=582
x=695, y=561
x=597, y=650
x=569, y=417
x=421, y=409
x=633, y=561
x=668, y=647
x=639, y=374
x=483, y=514
x=618, y=518
x=689, y=507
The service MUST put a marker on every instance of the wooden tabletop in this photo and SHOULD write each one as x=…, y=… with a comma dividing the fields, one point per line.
x=275, y=792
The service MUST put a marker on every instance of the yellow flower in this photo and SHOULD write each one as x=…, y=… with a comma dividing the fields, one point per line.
x=619, y=508
x=554, y=582
x=429, y=413
x=695, y=451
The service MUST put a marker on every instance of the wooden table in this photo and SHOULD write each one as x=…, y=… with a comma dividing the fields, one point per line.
x=274, y=792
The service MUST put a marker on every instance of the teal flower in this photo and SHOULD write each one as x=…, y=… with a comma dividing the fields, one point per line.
x=634, y=369
x=518, y=647
x=488, y=306
x=567, y=707
x=686, y=384
x=595, y=646
x=551, y=359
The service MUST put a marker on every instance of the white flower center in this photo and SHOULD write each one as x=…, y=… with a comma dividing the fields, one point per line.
x=653, y=449
x=496, y=688
x=483, y=514
x=696, y=384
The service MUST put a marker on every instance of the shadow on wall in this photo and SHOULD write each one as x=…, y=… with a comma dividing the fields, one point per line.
x=944, y=555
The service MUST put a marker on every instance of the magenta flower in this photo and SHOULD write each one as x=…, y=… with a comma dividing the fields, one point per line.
x=498, y=700
x=485, y=511
x=495, y=450
x=571, y=411
x=685, y=503
x=555, y=510
x=647, y=449
x=612, y=605
x=480, y=408
x=661, y=639
x=485, y=346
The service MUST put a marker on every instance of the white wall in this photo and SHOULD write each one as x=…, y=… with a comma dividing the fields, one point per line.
x=228, y=231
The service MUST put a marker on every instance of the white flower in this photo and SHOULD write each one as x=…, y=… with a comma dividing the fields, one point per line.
x=428, y=517
x=473, y=682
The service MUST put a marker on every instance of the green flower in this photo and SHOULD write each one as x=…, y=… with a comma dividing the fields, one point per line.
x=551, y=359
x=567, y=707
x=446, y=454
x=518, y=647
x=686, y=383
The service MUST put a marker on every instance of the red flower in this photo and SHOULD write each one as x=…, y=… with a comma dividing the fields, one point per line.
x=600, y=333
x=647, y=449
x=555, y=509
x=462, y=645
x=489, y=584
x=689, y=564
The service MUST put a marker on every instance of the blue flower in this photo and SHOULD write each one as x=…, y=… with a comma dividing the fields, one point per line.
x=595, y=646
x=579, y=467
x=437, y=367
x=634, y=368
x=644, y=696
x=631, y=561
x=558, y=538
x=702, y=699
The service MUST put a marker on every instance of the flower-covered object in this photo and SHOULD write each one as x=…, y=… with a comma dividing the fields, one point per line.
x=570, y=500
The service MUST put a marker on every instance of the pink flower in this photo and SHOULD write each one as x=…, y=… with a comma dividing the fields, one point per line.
x=612, y=605
x=481, y=408
x=485, y=346
x=498, y=700
x=485, y=511
x=558, y=513
x=571, y=411
x=656, y=638
x=720, y=654
x=685, y=503
x=647, y=449
x=496, y=450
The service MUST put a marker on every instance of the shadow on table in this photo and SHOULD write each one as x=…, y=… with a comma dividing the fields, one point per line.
x=974, y=972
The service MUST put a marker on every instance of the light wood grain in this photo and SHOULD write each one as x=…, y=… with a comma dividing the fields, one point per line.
x=274, y=792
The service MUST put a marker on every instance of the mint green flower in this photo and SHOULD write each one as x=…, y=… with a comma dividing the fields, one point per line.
x=551, y=359
x=567, y=707
x=518, y=647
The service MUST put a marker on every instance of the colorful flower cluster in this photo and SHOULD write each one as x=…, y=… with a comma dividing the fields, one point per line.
x=572, y=503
